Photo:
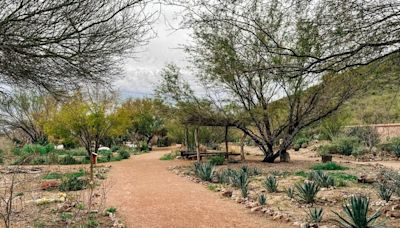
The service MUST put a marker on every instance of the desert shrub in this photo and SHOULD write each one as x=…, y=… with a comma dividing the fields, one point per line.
x=321, y=178
x=77, y=152
x=116, y=158
x=301, y=174
x=391, y=179
x=328, y=166
x=346, y=145
x=92, y=223
x=367, y=135
x=358, y=151
x=52, y=158
x=300, y=142
x=111, y=210
x=271, y=184
x=72, y=184
x=262, y=200
x=341, y=179
x=394, y=146
x=39, y=161
x=327, y=149
x=49, y=148
x=53, y=175
x=385, y=191
x=105, y=153
x=1, y=156
x=144, y=147
x=290, y=192
x=204, y=171
x=68, y=160
x=217, y=160
x=168, y=156
x=124, y=154
x=331, y=127
x=65, y=216
x=33, y=148
x=356, y=214
x=307, y=191
x=115, y=148
x=315, y=215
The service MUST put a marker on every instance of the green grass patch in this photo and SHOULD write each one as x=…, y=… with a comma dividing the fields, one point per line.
x=212, y=187
x=328, y=166
x=56, y=175
x=169, y=156
x=301, y=174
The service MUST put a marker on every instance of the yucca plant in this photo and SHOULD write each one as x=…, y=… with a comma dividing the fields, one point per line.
x=315, y=215
x=356, y=211
x=271, y=184
x=307, y=191
x=262, y=200
x=321, y=178
x=204, y=171
x=385, y=192
x=290, y=192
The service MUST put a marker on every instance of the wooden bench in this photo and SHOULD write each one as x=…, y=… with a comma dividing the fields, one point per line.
x=193, y=154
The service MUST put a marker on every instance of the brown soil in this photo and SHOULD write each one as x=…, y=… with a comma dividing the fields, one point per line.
x=147, y=194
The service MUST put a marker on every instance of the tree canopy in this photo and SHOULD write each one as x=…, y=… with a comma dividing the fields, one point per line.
x=58, y=44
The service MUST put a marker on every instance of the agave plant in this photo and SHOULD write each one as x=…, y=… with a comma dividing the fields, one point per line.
x=240, y=179
x=290, y=192
x=204, y=170
x=271, y=184
x=315, y=215
x=356, y=211
x=321, y=178
x=307, y=191
x=262, y=200
x=385, y=192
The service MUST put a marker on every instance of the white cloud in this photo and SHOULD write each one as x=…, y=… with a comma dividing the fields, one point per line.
x=143, y=72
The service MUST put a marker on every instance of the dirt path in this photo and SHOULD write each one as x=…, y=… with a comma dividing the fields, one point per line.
x=147, y=195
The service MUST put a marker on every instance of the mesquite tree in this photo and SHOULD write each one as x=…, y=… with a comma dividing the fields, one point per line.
x=345, y=33
x=26, y=112
x=258, y=57
x=58, y=44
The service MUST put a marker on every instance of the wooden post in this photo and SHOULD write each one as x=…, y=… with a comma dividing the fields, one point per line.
x=242, y=147
x=196, y=139
x=186, y=140
x=226, y=143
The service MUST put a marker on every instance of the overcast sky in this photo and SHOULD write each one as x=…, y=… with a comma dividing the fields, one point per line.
x=143, y=72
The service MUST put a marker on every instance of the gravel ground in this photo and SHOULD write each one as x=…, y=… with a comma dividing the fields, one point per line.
x=147, y=194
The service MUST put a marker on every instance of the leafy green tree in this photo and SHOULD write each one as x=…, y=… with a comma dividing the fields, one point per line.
x=145, y=118
x=88, y=118
x=26, y=112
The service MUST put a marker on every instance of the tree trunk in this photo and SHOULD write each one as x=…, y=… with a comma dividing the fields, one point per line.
x=226, y=143
x=242, y=147
x=271, y=157
x=284, y=156
x=148, y=141
x=196, y=139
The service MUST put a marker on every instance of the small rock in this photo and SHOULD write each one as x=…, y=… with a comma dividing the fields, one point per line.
x=254, y=209
x=393, y=214
x=227, y=193
x=396, y=207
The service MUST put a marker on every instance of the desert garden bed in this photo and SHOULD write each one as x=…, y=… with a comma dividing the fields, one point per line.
x=56, y=196
x=275, y=189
